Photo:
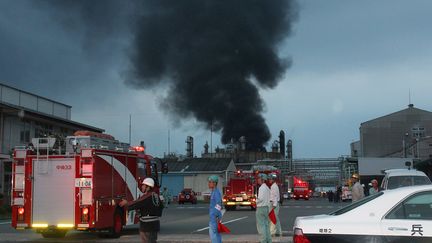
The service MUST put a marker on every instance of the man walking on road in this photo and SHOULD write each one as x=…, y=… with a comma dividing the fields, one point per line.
x=215, y=210
x=275, y=229
x=357, y=189
x=262, y=211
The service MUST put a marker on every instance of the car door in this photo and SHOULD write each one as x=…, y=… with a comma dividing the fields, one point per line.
x=410, y=220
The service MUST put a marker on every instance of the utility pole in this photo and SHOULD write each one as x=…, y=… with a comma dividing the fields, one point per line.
x=211, y=138
x=169, y=142
x=130, y=128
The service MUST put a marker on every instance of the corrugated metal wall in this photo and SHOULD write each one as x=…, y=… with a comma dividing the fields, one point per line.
x=173, y=183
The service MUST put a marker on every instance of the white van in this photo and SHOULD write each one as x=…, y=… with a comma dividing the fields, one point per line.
x=396, y=178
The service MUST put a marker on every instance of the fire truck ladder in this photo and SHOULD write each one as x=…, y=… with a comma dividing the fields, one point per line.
x=43, y=144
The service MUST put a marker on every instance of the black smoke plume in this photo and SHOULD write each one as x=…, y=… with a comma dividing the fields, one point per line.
x=213, y=55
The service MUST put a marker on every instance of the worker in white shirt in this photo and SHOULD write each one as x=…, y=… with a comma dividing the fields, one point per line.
x=262, y=211
x=275, y=229
x=357, y=189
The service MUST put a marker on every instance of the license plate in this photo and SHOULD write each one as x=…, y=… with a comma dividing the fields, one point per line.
x=83, y=182
x=239, y=199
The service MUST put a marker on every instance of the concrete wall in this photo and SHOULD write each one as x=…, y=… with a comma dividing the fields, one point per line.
x=374, y=166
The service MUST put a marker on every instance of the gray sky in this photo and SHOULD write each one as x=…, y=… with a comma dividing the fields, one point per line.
x=352, y=61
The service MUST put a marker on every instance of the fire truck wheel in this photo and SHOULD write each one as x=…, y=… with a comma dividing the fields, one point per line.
x=54, y=234
x=117, y=228
x=253, y=208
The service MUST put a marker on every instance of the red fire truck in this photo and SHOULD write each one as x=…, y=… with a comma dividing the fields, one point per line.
x=242, y=188
x=54, y=191
x=240, y=191
x=301, y=189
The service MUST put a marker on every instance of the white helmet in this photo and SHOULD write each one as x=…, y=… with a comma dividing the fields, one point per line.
x=149, y=182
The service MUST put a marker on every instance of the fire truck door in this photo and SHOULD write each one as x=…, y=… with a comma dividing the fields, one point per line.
x=53, y=190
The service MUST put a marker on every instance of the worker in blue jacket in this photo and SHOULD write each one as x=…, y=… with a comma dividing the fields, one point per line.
x=215, y=210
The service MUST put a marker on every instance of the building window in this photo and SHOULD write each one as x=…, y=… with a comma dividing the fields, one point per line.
x=418, y=132
x=25, y=132
x=24, y=136
x=43, y=130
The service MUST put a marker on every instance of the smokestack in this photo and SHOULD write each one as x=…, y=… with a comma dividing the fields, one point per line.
x=189, y=147
x=289, y=150
x=206, y=148
x=282, y=143
x=242, y=141
x=275, y=147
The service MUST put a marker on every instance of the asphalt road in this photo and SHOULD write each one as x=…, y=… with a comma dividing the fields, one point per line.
x=192, y=221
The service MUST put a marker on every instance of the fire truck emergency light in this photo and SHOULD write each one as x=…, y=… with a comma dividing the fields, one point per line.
x=139, y=148
x=20, y=210
x=85, y=210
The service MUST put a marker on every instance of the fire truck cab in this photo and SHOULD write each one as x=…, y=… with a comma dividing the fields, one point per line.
x=301, y=189
x=54, y=191
x=240, y=191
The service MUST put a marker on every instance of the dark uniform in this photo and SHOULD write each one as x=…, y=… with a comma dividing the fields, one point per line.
x=150, y=209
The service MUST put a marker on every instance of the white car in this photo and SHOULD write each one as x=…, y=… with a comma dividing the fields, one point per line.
x=399, y=215
x=396, y=178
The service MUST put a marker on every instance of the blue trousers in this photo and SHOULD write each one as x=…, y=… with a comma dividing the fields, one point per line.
x=263, y=224
x=215, y=236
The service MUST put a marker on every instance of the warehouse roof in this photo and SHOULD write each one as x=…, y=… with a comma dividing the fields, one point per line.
x=200, y=165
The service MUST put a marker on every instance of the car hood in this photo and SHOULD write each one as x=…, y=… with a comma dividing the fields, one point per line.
x=337, y=224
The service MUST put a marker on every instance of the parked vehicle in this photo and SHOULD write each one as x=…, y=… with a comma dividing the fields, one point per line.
x=399, y=215
x=396, y=178
x=187, y=195
x=301, y=189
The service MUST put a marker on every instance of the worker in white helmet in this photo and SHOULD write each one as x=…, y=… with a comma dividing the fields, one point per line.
x=150, y=209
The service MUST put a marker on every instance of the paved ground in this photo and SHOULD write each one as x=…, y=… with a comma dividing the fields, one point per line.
x=189, y=223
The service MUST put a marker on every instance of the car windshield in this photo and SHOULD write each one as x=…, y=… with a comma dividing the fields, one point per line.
x=356, y=204
x=402, y=181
